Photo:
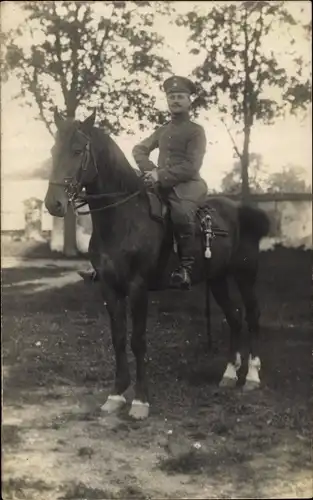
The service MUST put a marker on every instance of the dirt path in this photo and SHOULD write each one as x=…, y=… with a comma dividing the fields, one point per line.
x=21, y=263
x=64, y=449
x=199, y=442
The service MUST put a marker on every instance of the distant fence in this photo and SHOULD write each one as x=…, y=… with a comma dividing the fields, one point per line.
x=290, y=216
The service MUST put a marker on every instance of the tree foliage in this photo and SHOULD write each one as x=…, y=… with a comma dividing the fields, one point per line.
x=243, y=71
x=103, y=53
x=231, y=182
x=83, y=54
x=291, y=179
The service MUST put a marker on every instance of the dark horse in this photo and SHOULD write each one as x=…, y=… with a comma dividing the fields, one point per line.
x=130, y=247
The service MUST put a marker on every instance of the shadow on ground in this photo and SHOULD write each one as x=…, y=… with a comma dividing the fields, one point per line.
x=59, y=365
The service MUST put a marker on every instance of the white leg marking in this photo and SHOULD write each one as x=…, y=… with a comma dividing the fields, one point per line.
x=140, y=403
x=253, y=378
x=238, y=361
x=117, y=397
x=230, y=375
x=139, y=409
x=230, y=372
x=113, y=403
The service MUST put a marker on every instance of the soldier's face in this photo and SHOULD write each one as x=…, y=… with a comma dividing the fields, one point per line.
x=178, y=102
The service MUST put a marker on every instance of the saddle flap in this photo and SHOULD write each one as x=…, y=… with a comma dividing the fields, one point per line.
x=158, y=208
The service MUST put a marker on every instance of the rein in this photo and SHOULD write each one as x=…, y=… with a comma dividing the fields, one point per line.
x=101, y=209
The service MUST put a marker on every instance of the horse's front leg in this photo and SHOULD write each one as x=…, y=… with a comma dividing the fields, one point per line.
x=139, y=310
x=116, y=307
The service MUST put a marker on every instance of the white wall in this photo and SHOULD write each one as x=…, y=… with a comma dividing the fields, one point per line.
x=291, y=221
x=13, y=195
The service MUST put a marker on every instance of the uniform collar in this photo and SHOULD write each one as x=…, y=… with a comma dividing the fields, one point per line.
x=180, y=118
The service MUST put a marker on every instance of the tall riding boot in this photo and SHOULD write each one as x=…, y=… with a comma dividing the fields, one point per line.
x=181, y=277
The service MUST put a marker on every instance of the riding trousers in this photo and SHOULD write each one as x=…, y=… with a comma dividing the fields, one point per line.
x=183, y=216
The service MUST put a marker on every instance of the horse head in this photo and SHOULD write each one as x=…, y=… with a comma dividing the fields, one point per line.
x=73, y=162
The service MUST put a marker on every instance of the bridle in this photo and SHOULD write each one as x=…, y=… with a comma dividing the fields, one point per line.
x=73, y=185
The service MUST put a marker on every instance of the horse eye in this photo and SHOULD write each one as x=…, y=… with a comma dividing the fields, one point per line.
x=77, y=152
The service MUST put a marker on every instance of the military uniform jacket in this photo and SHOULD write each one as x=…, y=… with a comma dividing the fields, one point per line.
x=182, y=145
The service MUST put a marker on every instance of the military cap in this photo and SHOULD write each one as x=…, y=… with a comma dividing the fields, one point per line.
x=179, y=84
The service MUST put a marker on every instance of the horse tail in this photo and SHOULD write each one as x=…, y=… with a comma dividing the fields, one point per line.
x=254, y=222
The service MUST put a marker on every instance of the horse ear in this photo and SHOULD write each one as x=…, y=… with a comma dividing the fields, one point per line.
x=58, y=120
x=89, y=122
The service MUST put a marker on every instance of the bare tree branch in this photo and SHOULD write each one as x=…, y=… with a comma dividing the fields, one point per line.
x=258, y=30
x=232, y=139
x=247, y=82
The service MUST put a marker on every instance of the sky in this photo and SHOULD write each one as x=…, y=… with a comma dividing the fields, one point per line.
x=26, y=142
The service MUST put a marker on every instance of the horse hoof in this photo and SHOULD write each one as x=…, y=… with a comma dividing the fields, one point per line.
x=251, y=385
x=139, y=410
x=113, y=404
x=228, y=383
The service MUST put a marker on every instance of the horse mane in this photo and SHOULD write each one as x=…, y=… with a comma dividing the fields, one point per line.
x=112, y=162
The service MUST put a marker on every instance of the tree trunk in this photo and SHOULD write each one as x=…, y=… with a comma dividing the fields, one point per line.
x=70, y=243
x=245, y=186
x=70, y=246
x=57, y=235
x=247, y=116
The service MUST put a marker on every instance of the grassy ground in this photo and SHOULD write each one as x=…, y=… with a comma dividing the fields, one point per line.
x=58, y=365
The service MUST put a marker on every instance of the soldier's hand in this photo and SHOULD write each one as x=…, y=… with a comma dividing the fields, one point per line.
x=154, y=175
x=151, y=178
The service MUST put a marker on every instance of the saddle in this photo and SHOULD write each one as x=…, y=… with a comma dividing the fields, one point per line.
x=209, y=223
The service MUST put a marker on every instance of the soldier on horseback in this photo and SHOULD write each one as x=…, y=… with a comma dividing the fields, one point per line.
x=182, y=145
x=126, y=245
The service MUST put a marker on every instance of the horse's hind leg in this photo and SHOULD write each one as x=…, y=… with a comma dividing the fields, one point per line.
x=246, y=283
x=208, y=315
x=139, y=310
x=116, y=307
x=220, y=291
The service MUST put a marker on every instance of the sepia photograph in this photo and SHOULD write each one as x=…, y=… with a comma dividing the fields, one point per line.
x=156, y=249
